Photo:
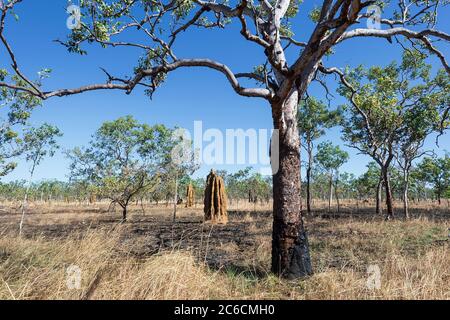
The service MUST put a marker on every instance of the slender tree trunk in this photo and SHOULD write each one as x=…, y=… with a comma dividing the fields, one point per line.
x=176, y=198
x=425, y=194
x=308, y=177
x=142, y=206
x=336, y=193
x=389, y=201
x=330, y=192
x=124, y=213
x=290, y=248
x=25, y=200
x=405, y=193
x=378, y=195
x=24, y=204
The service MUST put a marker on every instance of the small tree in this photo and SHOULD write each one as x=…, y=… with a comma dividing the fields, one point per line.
x=313, y=119
x=183, y=162
x=259, y=188
x=421, y=117
x=330, y=158
x=373, y=180
x=436, y=171
x=123, y=159
x=38, y=143
x=236, y=184
x=346, y=185
x=383, y=105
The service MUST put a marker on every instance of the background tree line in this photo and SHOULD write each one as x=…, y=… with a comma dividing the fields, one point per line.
x=430, y=180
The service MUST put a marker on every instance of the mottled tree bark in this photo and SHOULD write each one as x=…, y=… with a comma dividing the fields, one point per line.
x=330, y=192
x=389, y=201
x=290, y=249
x=308, y=177
x=336, y=193
x=378, y=195
x=124, y=213
x=405, y=194
x=175, y=201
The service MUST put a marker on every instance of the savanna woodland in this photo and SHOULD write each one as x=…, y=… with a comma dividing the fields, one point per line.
x=135, y=222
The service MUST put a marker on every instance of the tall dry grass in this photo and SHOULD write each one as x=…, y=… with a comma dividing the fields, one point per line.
x=412, y=256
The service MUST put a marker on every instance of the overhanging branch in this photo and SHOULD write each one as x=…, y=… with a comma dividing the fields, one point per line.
x=419, y=35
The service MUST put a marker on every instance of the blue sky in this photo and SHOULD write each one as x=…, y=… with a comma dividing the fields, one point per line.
x=188, y=95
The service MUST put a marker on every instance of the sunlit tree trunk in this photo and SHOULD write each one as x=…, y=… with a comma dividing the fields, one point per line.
x=330, y=192
x=378, y=195
x=405, y=194
x=124, y=213
x=336, y=193
x=175, y=202
x=290, y=249
x=308, y=176
x=25, y=199
x=389, y=200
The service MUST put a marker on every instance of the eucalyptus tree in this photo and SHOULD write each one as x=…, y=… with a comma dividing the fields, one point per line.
x=259, y=187
x=236, y=184
x=417, y=188
x=38, y=143
x=155, y=27
x=373, y=180
x=199, y=187
x=319, y=185
x=16, y=106
x=330, y=158
x=9, y=149
x=183, y=162
x=313, y=118
x=13, y=190
x=48, y=190
x=347, y=187
x=436, y=172
x=384, y=105
x=123, y=159
x=246, y=184
x=179, y=172
x=421, y=116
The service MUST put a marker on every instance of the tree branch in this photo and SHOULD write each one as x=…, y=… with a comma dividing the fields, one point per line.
x=420, y=35
x=129, y=85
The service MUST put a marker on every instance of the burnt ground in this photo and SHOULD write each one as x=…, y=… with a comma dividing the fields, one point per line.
x=143, y=235
x=230, y=246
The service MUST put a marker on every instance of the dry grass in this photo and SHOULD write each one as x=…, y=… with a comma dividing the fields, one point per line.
x=413, y=258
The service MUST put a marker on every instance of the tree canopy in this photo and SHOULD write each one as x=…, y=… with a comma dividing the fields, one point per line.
x=123, y=159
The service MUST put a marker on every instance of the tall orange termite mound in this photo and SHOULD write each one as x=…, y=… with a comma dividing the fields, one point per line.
x=215, y=199
x=189, y=196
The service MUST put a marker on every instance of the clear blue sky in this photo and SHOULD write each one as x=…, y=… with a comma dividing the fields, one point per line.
x=187, y=95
